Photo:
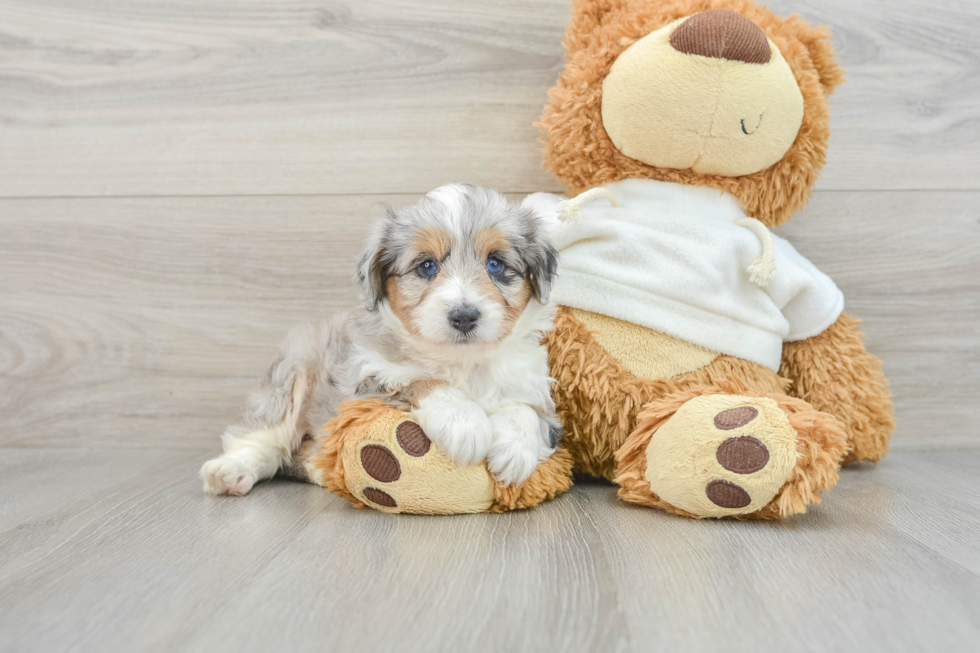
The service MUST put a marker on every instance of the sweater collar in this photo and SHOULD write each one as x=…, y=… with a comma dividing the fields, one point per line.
x=660, y=199
x=677, y=199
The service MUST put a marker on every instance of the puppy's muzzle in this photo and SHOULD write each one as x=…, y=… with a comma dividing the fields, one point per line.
x=464, y=318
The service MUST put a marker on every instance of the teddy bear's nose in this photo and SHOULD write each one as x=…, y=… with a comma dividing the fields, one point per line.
x=722, y=34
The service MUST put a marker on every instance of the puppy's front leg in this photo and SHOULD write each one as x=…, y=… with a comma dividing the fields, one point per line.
x=521, y=439
x=457, y=424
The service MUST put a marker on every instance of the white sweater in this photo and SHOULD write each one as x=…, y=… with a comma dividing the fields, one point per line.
x=672, y=259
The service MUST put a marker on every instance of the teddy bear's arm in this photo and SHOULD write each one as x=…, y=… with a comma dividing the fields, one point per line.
x=836, y=374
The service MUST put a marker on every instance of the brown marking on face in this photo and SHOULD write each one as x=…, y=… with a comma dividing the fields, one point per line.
x=512, y=301
x=402, y=298
x=489, y=240
x=515, y=308
x=399, y=305
x=488, y=289
x=432, y=241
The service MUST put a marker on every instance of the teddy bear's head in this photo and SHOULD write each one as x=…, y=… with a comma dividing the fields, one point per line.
x=719, y=93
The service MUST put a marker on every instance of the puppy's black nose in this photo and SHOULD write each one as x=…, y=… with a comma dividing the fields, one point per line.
x=464, y=318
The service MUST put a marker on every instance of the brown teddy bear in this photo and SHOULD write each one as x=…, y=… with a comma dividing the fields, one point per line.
x=701, y=363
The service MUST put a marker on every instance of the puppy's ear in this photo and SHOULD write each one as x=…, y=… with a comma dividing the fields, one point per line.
x=539, y=255
x=372, y=272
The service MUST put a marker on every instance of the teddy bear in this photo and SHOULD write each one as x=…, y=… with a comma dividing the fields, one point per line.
x=700, y=362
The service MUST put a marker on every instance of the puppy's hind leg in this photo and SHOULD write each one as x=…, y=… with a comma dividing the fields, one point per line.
x=300, y=466
x=274, y=430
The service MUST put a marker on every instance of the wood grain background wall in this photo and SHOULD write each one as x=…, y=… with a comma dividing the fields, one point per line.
x=182, y=181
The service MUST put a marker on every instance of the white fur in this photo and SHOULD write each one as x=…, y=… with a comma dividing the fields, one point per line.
x=451, y=196
x=495, y=404
x=519, y=443
x=457, y=424
x=248, y=459
x=431, y=321
x=510, y=385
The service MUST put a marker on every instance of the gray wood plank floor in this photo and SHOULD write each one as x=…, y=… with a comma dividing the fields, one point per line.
x=119, y=550
x=182, y=181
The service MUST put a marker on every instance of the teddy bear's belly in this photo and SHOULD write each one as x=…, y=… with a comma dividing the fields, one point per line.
x=646, y=353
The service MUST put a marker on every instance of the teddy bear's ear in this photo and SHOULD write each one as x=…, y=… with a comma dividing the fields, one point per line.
x=587, y=16
x=824, y=57
x=595, y=8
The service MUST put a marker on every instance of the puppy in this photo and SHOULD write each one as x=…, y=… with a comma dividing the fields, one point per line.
x=454, y=293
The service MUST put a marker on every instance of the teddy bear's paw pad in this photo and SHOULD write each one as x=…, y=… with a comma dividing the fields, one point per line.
x=727, y=495
x=742, y=455
x=379, y=497
x=734, y=418
x=380, y=463
x=722, y=455
x=397, y=468
x=413, y=439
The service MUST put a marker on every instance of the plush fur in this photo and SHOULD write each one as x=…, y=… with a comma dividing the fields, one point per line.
x=581, y=155
x=835, y=373
x=829, y=386
x=599, y=400
x=820, y=445
x=424, y=488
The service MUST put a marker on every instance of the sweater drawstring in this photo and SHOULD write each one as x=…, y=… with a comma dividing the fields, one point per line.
x=763, y=268
x=569, y=210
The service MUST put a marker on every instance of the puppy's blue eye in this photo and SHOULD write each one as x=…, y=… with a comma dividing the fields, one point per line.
x=428, y=269
x=494, y=265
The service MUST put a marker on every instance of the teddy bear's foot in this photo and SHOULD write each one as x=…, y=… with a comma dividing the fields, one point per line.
x=722, y=455
x=379, y=457
x=714, y=454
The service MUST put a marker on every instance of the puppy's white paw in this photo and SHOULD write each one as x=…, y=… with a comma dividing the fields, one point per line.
x=457, y=425
x=228, y=475
x=520, y=441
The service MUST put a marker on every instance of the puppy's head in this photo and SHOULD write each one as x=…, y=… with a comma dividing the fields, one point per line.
x=459, y=267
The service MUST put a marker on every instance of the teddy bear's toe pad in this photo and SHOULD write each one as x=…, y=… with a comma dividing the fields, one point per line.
x=722, y=455
x=380, y=497
x=727, y=495
x=396, y=468
x=742, y=455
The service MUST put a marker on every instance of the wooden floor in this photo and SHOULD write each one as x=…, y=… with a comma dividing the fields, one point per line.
x=181, y=182
x=118, y=550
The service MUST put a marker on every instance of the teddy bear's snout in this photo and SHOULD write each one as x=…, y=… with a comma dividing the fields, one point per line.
x=722, y=34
